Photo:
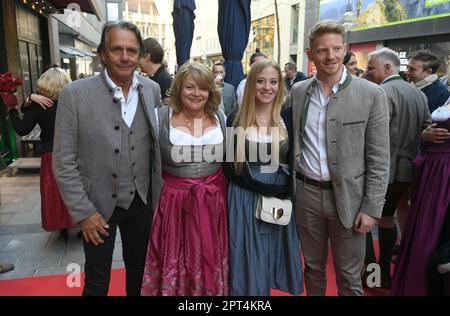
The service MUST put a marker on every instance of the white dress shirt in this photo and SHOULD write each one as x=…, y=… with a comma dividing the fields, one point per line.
x=240, y=91
x=314, y=159
x=129, y=106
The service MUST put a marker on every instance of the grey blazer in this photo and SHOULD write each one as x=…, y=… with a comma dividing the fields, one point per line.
x=85, y=139
x=229, y=98
x=409, y=116
x=357, y=129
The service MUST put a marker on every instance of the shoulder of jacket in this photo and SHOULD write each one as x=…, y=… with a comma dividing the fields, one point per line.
x=146, y=82
x=360, y=85
x=302, y=85
x=85, y=84
x=228, y=86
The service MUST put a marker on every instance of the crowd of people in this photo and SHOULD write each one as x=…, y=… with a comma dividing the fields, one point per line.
x=218, y=192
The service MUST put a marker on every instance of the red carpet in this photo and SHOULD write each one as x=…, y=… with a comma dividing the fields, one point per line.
x=55, y=285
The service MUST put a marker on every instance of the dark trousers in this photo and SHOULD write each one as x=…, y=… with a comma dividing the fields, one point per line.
x=394, y=193
x=134, y=225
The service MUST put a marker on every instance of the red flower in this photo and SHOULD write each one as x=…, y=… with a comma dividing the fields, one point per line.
x=8, y=88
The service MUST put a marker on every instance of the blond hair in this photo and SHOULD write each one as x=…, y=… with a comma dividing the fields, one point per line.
x=246, y=115
x=325, y=27
x=204, y=77
x=52, y=82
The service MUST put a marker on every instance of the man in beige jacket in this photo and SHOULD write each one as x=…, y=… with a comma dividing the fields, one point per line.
x=340, y=144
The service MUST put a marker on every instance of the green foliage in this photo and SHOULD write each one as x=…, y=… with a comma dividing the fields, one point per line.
x=391, y=10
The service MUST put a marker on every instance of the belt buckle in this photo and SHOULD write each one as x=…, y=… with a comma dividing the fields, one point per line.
x=318, y=184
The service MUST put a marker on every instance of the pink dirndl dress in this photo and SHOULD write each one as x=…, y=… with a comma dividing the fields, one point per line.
x=188, y=247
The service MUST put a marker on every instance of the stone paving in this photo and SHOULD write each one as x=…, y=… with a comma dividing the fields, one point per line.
x=24, y=243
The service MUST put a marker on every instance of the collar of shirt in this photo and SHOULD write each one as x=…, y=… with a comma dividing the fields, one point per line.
x=158, y=72
x=337, y=85
x=129, y=106
x=134, y=83
x=387, y=78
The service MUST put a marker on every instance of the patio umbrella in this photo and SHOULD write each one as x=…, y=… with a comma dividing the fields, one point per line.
x=183, y=28
x=233, y=28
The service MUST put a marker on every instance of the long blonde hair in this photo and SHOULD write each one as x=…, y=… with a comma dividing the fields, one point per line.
x=246, y=115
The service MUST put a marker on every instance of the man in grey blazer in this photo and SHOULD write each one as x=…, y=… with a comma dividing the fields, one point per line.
x=106, y=158
x=408, y=117
x=339, y=135
x=228, y=95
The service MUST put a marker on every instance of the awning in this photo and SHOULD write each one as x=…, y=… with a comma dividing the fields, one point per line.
x=69, y=50
x=89, y=54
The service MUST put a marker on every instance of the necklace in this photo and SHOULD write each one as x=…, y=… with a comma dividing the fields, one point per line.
x=262, y=120
x=191, y=122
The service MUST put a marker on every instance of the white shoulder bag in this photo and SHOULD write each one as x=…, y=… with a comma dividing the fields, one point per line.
x=273, y=210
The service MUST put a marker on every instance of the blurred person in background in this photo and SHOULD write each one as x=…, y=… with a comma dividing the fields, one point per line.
x=228, y=103
x=152, y=64
x=351, y=64
x=422, y=72
x=41, y=109
x=292, y=75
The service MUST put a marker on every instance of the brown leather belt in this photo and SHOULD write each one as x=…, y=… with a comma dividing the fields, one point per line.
x=326, y=185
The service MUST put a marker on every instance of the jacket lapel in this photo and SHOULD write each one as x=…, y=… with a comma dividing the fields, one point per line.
x=299, y=116
x=144, y=99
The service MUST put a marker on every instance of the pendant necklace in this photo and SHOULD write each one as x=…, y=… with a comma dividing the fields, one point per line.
x=263, y=121
x=191, y=123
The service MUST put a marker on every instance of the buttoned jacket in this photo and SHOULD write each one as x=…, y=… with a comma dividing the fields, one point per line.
x=357, y=140
x=86, y=143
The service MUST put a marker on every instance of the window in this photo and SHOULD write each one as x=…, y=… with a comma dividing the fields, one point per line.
x=264, y=34
x=294, y=24
x=112, y=11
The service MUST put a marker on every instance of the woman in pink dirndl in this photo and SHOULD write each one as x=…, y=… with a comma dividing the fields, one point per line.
x=188, y=247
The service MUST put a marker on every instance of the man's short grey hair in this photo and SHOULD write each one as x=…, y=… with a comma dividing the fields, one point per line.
x=387, y=56
x=291, y=66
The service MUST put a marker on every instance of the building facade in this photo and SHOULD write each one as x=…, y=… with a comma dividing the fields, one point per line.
x=37, y=34
x=263, y=33
x=205, y=43
x=153, y=18
x=404, y=26
x=277, y=29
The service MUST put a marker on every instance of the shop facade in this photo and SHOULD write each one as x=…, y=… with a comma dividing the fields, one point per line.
x=30, y=40
x=25, y=50
x=405, y=26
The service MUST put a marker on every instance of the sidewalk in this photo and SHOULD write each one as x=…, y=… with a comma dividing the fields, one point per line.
x=23, y=242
